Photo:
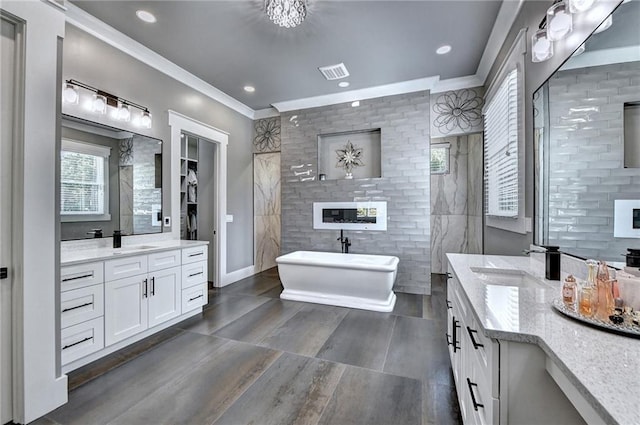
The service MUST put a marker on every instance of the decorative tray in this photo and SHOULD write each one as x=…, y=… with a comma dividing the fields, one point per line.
x=626, y=328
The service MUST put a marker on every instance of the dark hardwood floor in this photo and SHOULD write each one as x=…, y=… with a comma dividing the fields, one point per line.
x=251, y=358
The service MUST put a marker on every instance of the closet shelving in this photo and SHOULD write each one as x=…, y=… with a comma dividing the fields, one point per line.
x=188, y=187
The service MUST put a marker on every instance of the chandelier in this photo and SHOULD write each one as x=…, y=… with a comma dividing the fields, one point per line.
x=286, y=13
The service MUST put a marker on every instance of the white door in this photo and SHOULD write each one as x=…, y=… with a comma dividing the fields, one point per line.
x=164, y=295
x=125, y=308
x=8, y=104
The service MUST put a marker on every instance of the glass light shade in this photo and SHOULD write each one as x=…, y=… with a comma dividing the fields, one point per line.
x=70, y=93
x=605, y=25
x=579, y=6
x=579, y=51
x=541, y=47
x=559, y=21
x=99, y=104
x=286, y=13
x=145, y=120
x=123, y=112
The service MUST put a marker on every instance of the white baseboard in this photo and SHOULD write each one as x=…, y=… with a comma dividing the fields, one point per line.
x=237, y=275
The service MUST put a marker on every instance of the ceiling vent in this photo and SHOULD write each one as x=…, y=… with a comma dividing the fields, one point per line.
x=334, y=72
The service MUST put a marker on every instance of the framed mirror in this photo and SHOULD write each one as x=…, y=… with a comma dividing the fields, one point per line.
x=110, y=179
x=587, y=144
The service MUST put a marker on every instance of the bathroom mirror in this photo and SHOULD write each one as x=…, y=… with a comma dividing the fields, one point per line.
x=586, y=143
x=110, y=179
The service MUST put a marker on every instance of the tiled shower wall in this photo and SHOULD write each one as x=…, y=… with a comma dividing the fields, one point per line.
x=586, y=171
x=456, y=201
x=404, y=124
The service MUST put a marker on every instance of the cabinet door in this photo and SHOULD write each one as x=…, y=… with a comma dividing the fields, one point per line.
x=125, y=308
x=165, y=295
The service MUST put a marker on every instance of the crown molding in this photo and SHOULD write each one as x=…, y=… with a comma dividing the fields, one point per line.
x=92, y=25
x=361, y=94
x=469, y=81
x=504, y=21
x=266, y=113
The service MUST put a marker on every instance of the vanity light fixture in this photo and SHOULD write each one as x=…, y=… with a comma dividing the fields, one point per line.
x=559, y=21
x=541, y=46
x=100, y=100
x=557, y=24
x=70, y=93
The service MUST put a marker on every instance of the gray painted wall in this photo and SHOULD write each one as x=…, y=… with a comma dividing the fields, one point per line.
x=404, y=120
x=499, y=241
x=586, y=172
x=93, y=62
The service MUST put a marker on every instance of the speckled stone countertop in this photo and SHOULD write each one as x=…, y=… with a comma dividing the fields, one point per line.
x=79, y=254
x=604, y=367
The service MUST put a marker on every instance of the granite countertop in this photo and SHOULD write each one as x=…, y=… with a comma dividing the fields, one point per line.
x=603, y=366
x=79, y=255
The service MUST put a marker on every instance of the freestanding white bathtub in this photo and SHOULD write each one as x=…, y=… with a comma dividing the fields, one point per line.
x=345, y=280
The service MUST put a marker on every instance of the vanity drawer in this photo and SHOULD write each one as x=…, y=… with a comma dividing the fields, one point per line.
x=82, y=304
x=125, y=267
x=484, y=354
x=82, y=339
x=164, y=260
x=73, y=277
x=194, y=274
x=194, y=297
x=195, y=254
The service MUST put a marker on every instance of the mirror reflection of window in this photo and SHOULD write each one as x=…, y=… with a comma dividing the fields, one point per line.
x=84, y=181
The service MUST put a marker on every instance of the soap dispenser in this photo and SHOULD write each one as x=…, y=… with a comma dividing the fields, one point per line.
x=117, y=238
x=552, y=263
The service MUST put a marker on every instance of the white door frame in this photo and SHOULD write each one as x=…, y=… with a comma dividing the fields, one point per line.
x=178, y=124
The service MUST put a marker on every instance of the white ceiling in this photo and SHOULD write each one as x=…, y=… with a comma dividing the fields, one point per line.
x=230, y=44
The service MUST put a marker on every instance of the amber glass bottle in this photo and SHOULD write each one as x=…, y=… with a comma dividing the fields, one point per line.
x=588, y=297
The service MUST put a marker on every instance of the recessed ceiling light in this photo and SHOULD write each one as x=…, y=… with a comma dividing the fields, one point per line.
x=355, y=104
x=443, y=50
x=343, y=84
x=249, y=89
x=146, y=16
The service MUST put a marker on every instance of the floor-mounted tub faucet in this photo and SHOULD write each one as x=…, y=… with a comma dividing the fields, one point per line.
x=345, y=242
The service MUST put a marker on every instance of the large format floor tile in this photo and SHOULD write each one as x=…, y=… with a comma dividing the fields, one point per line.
x=361, y=339
x=220, y=315
x=307, y=331
x=367, y=397
x=294, y=390
x=200, y=396
x=107, y=397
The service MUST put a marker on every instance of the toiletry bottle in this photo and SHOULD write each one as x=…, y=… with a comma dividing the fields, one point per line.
x=569, y=292
x=552, y=263
x=588, y=297
x=605, y=305
x=117, y=238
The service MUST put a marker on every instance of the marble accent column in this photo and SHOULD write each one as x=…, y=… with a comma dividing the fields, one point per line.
x=266, y=169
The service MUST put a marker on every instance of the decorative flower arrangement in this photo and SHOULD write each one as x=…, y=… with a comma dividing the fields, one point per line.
x=267, y=135
x=349, y=157
x=458, y=109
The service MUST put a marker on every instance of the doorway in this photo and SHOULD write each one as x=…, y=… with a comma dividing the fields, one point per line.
x=198, y=193
x=9, y=50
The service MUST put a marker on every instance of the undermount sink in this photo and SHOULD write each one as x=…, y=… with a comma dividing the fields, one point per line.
x=507, y=277
x=130, y=249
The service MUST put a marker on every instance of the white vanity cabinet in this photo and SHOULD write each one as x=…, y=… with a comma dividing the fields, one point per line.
x=499, y=382
x=146, y=295
x=81, y=310
x=111, y=303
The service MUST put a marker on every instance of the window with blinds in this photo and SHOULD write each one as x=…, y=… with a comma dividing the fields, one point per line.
x=501, y=150
x=84, y=171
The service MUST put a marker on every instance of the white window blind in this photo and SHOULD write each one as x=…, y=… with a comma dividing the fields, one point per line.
x=501, y=150
x=83, y=179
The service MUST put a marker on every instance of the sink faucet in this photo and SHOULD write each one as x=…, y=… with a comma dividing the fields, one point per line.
x=344, y=242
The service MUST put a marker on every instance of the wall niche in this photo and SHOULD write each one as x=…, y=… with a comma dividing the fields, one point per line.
x=350, y=154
